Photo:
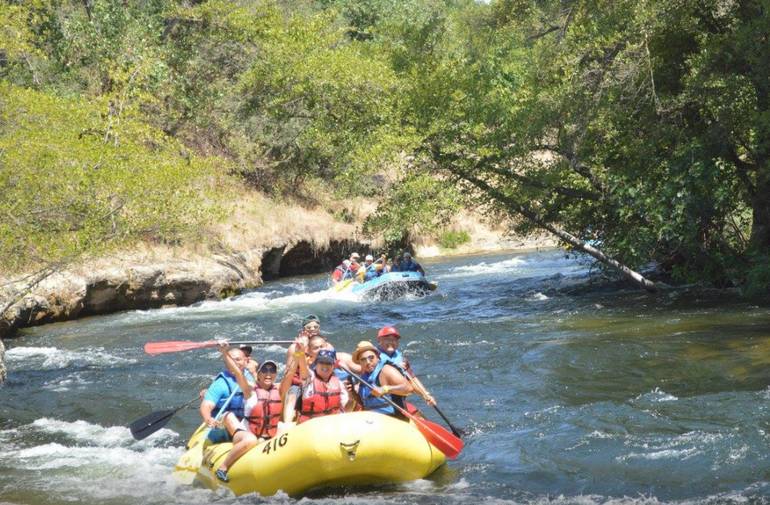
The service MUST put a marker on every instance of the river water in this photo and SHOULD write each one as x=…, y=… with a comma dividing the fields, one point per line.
x=570, y=393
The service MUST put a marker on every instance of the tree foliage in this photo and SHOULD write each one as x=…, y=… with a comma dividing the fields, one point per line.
x=638, y=125
x=642, y=126
x=72, y=183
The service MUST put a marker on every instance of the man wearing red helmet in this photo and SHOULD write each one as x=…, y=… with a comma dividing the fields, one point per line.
x=387, y=343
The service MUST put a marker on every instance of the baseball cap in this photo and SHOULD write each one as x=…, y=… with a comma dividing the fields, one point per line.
x=326, y=356
x=268, y=362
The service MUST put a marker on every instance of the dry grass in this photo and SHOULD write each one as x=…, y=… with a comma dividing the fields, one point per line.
x=484, y=236
x=256, y=221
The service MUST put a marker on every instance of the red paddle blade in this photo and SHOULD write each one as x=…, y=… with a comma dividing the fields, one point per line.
x=176, y=346
x=443, y=440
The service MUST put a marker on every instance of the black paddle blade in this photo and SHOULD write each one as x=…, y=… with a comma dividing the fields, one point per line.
x=149, y=424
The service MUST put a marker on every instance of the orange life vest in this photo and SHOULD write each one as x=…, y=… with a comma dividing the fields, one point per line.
x=264, y=416
x=324, y=401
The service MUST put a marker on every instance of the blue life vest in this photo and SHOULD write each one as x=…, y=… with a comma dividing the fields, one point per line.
x=409, y=266
x=236, y=404
x=341, y=374
x=372, y=402
x=371, y=273
x=397, y=359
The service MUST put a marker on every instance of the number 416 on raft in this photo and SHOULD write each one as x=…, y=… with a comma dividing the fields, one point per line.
x=274, y=444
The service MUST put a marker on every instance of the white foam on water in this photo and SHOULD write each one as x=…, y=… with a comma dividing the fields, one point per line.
x=537, y=297
x=657, y=395
x=94, y=434
x=95, y=463
x=249, y=303
x=678, y=454
x=467, y=343
x=738, y=453
x=460, y=484
x=728, y=497
x=483, y=268
x=67, y=383
x=681, y=447
x=419, y=485
x=52, y=358
x=596, y=434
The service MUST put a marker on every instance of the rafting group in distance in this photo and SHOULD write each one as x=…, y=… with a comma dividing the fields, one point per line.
x=351, y=268
x=246, y=404
x=380, y=278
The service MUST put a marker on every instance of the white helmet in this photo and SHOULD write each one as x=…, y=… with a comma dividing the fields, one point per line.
x=369, y=257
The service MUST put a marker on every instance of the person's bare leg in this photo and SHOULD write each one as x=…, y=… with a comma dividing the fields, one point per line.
x=242, y=441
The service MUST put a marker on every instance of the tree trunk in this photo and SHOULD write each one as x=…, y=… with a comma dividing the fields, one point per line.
x=760, y=206
x=575, y=242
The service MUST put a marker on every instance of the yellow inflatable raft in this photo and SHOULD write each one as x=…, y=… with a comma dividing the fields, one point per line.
x=357, y=448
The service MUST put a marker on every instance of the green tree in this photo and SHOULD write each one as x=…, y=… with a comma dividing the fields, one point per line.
x=638, y=125
x=73, y=184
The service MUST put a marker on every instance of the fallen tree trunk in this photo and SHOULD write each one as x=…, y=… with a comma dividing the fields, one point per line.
x=575, y=242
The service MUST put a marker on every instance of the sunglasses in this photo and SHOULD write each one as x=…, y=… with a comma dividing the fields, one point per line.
x=268, y=369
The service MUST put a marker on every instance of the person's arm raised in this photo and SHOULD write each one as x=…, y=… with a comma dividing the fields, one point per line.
x=232, y=366
x=304, y=371
x=288, y=375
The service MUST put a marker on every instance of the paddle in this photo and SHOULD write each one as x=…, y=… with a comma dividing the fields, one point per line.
x=434, y=433
x=152, y=422
x=457, y=431
x=424, y=392
x=191, y=461
x=343, y=284
x=187, y=345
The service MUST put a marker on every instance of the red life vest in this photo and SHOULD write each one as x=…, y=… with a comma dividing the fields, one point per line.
x=264, y=416
x=339, y=272
x=325, y=400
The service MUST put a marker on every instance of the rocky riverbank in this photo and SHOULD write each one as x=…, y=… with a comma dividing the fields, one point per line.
x=144, y=283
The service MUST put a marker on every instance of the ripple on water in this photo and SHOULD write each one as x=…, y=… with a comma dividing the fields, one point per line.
x=51, y=358
x=592, y=397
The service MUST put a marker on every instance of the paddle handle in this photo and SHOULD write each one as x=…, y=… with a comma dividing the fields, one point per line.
x=197, y=398
x=188, y=345
x=456, y=432
x=223, y=410
x=424, y=391
x=262, y=342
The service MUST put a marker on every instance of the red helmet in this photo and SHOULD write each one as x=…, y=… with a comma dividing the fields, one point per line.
x=388, y=331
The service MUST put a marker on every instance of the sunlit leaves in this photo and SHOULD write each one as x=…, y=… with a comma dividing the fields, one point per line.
x=69, y=189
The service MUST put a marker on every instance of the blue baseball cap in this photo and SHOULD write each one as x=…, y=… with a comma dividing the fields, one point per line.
x=326, y=356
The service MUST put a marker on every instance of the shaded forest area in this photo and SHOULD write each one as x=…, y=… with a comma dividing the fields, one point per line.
x=639, y=127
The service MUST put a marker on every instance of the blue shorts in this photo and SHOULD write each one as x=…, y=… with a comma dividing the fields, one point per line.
x=219, y=435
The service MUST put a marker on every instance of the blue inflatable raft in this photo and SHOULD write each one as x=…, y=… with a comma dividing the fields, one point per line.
x=390, y=285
